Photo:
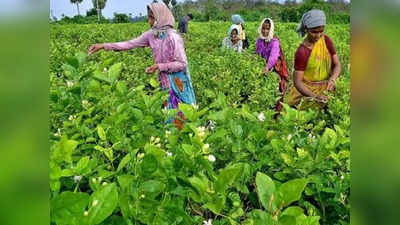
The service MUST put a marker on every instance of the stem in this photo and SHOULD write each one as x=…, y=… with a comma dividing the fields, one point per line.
x=322, y=207
x=76, y=187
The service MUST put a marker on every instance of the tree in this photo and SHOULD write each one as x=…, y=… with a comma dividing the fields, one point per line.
x=77, y=2
x=99, y=5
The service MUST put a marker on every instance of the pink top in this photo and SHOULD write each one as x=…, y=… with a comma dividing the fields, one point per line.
x=168, y=52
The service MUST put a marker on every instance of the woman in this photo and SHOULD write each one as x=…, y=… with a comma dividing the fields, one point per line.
x=168, y=53
x=317, y=65
x=268, y=47
x=233, y=41
x=238, y=20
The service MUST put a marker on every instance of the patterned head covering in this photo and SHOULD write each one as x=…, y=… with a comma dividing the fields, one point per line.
x=237, y=19
x=233, y=27
x=164, y=20
x=271, y=33
x=311, y=19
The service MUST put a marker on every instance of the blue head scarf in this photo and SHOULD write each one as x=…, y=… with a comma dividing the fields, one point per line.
x=237, y=19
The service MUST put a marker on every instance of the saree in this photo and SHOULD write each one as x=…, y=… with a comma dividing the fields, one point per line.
x=315, y=78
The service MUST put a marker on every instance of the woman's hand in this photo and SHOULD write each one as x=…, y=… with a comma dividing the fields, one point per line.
x=265, y=71
x=152, y=69
x=322, y=98
x=331, y=85
x=94, y=48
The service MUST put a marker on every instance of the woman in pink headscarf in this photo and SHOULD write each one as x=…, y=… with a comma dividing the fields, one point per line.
x=168, y=53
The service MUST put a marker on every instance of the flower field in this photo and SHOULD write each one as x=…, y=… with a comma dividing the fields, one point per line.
x=114, y=160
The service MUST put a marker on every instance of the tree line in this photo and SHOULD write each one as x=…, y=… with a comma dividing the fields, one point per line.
x=338, y=11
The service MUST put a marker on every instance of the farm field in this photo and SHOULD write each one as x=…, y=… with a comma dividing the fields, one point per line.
x=114, y=161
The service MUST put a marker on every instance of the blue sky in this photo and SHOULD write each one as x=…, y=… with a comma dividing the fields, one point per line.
x=59, y=7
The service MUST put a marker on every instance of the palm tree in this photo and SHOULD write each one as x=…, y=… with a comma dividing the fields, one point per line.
x=99, y=5
x=77, y=2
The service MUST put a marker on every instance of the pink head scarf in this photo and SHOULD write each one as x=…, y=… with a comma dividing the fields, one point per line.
x=163, y=16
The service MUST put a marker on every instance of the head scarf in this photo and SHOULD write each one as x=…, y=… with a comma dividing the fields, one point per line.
x=237, y=19
x=233, y=27
x=271, y=30
x=164, y=20
x=311, y=19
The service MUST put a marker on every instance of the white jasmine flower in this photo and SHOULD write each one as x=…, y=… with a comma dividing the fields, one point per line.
x=157, y=140
x=86, y=213
x=167, y=133
x=104, y=183
x=58, y=134
x=70, y=84
x=201, y=129
x=152, y=139
x=77, y=179
x=261, y=117
x=85, y=102
x=209, y=222
x=211, y=158
x=72, y=117
x=195, y=106
x=169, y=154
x=142, y=196
x=342, y=177
x=105, y=70
x=202, y=134
x=158, y=145
x=95, y=202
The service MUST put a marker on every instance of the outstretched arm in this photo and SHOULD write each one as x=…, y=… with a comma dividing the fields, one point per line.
x=141, y=41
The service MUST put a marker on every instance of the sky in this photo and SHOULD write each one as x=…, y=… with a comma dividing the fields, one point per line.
x=59, y=7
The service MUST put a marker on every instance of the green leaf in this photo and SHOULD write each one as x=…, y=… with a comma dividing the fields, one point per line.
x=121, y=87
x=107, y=201
x=152, y=187
x=260, y=217
x=217, y=203
x=72, y=61
x=154, y=83
x=188, y=111
x=81, y=167
x=101, y=133
x=329, y=138
x=265, y=190
x=149, y=164
x=125, y=181
x=124, y=162
x=64, y=149
x=291, y=191
x=115, y=71
x=236, y=129
x=81, y=57
x=99, y=75
x=70, y=71
x=226, y=177
x=294, y=211
x=189, y=149
x=68, y=207
x=287, y=220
